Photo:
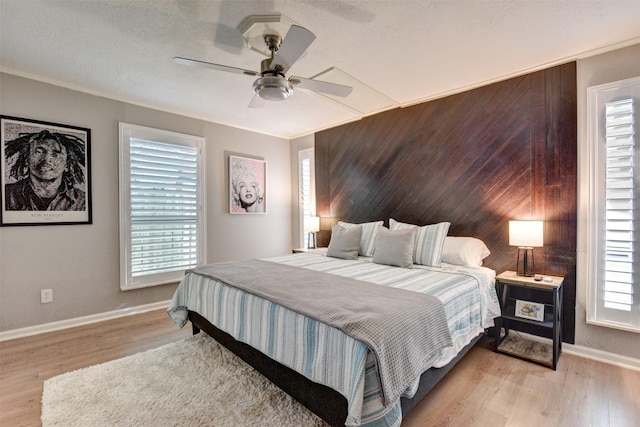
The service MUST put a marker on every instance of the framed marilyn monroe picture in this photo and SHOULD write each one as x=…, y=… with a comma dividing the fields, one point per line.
x=247, y=185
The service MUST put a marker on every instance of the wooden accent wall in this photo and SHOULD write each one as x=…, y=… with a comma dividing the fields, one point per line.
x=476, y=159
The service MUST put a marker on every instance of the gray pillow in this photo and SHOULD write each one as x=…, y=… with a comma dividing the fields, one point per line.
x=345, y=242
x=429, y=241
x=395, y=247
x=368, y=239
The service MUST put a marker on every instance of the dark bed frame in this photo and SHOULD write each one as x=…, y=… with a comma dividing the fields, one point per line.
x=325, y=402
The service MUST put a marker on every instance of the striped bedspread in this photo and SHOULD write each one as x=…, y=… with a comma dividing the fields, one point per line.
x=311, y=347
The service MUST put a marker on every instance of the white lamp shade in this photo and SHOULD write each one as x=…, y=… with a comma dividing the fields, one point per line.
x=311, y=224
x=527, y=234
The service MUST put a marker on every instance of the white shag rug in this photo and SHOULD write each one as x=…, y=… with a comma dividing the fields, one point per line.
x=193, y=382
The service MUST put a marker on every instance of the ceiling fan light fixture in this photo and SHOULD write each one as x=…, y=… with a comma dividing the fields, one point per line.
x=273, y=88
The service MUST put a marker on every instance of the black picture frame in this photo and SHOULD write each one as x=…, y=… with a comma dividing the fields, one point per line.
x=59, y=193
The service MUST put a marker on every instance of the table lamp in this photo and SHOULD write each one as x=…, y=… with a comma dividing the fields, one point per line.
x=525, y=235
x=311, y=226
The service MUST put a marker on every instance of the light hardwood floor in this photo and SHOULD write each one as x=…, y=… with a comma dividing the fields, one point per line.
x=26, y=363
x=484, y=389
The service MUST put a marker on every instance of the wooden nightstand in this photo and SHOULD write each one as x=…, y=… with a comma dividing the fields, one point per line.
x=542, y=307
x=303, y=250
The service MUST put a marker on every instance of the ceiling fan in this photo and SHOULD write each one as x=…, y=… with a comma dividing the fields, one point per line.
x=272, y=83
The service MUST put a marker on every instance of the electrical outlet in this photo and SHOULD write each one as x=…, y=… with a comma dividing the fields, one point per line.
x=46, y=296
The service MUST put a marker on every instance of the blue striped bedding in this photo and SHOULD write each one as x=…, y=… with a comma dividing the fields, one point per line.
x=312, y=348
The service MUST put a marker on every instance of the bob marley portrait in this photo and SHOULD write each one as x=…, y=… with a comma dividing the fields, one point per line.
x=48, y=170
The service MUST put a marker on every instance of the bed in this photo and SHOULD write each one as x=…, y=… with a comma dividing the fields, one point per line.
x=345, y=381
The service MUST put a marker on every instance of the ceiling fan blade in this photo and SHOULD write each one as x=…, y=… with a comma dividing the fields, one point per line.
x=257, y=102
x=320, y=86
x=212, y=66
x=293, y=46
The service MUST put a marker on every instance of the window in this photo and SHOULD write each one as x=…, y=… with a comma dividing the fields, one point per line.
x=613, y=245
x=306, y=190
x=161, y=206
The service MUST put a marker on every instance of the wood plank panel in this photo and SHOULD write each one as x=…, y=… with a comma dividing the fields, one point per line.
x=477, y=159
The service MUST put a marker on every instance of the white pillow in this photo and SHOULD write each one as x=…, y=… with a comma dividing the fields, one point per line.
x=429, y=241
x=368, y=239
x=467, y=251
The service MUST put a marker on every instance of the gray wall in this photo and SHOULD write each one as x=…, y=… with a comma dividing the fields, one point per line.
x=81, y=262
x=605, y=68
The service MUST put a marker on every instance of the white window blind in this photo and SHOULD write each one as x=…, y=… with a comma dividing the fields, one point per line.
x=613, y=282
x=619, y=206
x=161, y=212
x=306, y=194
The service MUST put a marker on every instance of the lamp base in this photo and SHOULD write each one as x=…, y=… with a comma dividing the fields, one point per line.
x=310, y=239
x=526, y=265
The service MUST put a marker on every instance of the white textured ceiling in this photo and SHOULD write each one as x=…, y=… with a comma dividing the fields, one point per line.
x=409, y=51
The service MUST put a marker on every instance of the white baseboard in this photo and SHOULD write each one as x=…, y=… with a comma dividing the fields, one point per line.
x=79, y=321
x=576, y=350
x=602, y=356
x=592, y=353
